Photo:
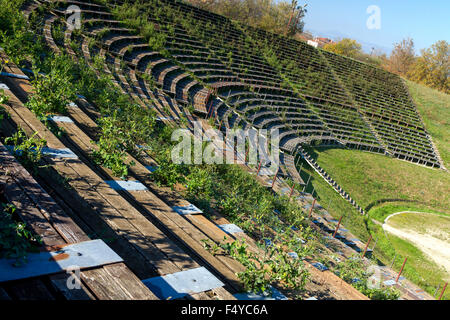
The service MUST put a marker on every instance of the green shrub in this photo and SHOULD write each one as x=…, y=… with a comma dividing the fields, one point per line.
x=27, y=150
x=111, y=153
x=53, y=91
x=15, y=240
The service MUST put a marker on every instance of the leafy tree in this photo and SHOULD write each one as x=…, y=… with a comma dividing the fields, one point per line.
x=274, y=16
x=296, y=23
x=346, y=47
x=402, y=57
x=433, y=67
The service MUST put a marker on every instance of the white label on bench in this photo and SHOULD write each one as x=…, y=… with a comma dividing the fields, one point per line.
x=55, y=153
x=185, y=210
x=180, y=284
x=230, y=228
x=126, y=185
x=164, y=118
x=59, y=153
x=266, y=172
x=285, y=190
x=293, y=255
x=60, y=119
x=86, y=254
x=151, y=168
x=389, y=283
x=12, y=75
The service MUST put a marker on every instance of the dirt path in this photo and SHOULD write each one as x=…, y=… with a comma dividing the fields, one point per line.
x=434, y=243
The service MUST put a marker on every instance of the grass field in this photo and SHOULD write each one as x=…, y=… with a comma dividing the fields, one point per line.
x=382, y=186
x=434, y=106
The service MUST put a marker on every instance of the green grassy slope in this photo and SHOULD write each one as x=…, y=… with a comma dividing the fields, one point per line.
x=434, y=106
x=383, y=185
x=376, y=178
x=376, y=181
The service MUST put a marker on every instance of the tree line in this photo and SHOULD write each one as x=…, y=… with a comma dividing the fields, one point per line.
x=430, y=68
x=281, y=17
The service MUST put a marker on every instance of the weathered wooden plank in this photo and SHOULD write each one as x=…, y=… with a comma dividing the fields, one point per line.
x=33, y=289
x=31, y=215
x=115, y=282
x=222, y=294
x=199, y=296
x=48, y=208
x=175, y=224
x=96, y=282
x=93, y=218
x=178, y=226
x=135, y=288
x=121, y=224
x=59, y=282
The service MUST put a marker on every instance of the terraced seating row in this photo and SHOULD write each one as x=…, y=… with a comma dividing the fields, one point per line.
x=331, y=68
x=122, y=54
x=48, y=220
x=74, y=133
x=99, y=209
x=357, y=140
x=385, y=98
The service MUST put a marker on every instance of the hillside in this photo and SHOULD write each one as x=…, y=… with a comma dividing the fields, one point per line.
x=434, y=106
x=375, y=179
x=384, y=185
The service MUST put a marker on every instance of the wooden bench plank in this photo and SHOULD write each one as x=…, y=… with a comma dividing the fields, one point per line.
x=109, y=198
x=178, y=226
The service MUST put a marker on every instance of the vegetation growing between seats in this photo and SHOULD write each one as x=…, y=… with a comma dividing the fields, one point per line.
x=16, y=241
x=28, y=150
x=352, y=271
x=123, y=125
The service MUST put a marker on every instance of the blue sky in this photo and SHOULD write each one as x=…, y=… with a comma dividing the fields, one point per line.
x=424, y=21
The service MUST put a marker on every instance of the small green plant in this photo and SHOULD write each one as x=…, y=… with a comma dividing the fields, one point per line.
x=169, y=173
x=111, y=153
x=3, y=98
x=54, y=91
x=353, y=271
x=274, y=266
x=15, y=240
x=27, y=150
